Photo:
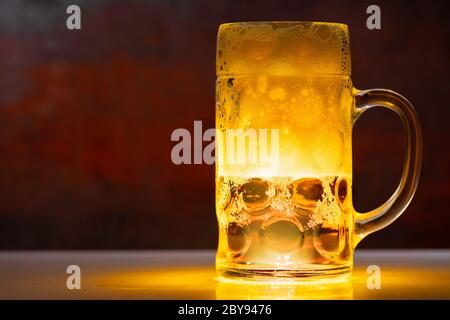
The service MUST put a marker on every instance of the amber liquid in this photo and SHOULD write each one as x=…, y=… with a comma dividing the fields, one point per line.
x=291, y=217
x=284, y=227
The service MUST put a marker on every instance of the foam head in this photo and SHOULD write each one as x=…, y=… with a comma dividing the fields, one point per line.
x=283, y=48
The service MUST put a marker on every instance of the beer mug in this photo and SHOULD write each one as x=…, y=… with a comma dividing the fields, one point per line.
x=285, y=108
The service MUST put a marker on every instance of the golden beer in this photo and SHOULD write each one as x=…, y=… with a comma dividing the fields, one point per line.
x=293, y=217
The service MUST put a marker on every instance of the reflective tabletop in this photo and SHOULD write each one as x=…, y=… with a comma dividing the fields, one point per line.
x=404, y=274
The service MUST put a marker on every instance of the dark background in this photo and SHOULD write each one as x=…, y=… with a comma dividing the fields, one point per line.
x=86, y=118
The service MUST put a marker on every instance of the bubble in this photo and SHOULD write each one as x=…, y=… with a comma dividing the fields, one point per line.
x=281, y=234
x=237, y=237
x=304, y=92
x=323, y=32
x=306, y=192
x=257, y=50
x=277, y=94
x=317, y=48
x=254, y=195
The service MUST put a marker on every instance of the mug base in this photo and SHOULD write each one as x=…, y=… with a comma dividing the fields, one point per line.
x=313, y=273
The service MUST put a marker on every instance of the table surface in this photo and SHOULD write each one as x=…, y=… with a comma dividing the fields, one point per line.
x=175, y=274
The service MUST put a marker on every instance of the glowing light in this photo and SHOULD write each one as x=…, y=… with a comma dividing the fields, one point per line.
x=202, y=283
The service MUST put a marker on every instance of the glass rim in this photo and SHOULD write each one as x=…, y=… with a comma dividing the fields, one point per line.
x=290, y=22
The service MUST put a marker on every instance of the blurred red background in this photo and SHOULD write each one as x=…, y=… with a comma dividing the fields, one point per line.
x=86, y=118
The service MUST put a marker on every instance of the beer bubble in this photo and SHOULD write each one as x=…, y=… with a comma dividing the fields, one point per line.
x=277, y=94
x=254, y=50
x=323, y=32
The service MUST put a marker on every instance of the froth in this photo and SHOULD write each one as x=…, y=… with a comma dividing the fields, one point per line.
x=283, y=48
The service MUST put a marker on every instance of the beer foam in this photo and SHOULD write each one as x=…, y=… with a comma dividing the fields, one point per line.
x=283, y=48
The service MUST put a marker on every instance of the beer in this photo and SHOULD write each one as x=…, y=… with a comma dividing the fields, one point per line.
x=293, y=217
x=283, y=224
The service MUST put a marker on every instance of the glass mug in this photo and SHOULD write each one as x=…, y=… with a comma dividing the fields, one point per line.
x=284, y=89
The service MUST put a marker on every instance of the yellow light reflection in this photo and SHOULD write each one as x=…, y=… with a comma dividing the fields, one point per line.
x=202, y=283
x=340, y=290
x=167, y=283
x=404, y=283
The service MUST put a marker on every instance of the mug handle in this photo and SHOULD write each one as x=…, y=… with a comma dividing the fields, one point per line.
x=366, y=223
